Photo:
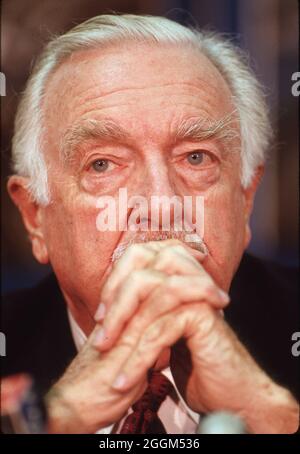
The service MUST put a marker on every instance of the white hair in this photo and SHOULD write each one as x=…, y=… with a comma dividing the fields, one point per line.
x=247, y=94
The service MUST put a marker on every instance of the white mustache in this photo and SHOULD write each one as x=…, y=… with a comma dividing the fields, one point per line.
x=191, y=239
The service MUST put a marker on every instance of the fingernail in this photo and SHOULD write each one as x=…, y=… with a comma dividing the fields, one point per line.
x=119, y=381
x=100, y=312
x=99, y=337
x=224, y=296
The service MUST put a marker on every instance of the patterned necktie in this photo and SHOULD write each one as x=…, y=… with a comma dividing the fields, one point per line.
x=144, y=419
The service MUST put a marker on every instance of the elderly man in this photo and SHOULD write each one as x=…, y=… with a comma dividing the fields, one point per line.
x=147, y=105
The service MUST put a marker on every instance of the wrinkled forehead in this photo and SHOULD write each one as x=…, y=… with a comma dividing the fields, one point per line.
x=129, y=73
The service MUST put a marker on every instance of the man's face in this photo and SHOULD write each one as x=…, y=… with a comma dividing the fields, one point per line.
x=148, y=92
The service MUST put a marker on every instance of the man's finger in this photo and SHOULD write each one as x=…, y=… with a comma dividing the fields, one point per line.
x=170, y=257
x=155, y=339
x=138, y=256
x=148, y=295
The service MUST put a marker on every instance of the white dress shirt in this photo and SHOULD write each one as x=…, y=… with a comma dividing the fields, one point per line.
x=174, y=413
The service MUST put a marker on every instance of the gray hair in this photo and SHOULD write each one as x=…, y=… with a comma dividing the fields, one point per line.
x=247, y=94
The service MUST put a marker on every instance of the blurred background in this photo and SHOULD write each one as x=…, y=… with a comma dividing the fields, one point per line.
x=267, y=29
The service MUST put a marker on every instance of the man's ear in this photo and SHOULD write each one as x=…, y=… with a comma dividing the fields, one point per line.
x=31, y=212
x=249, y=194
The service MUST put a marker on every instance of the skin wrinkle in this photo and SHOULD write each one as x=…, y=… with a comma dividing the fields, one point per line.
x=229, y=134
x=77, y=57
x=105, y=130
x=62, y=80
x=124, y=90
x=120, y=104
x=82, y=260
x=132, y=100
x=80, y=59
x=65, y=232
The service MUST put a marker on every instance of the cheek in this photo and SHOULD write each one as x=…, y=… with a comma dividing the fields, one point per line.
x=79, y=253
x=224, y=234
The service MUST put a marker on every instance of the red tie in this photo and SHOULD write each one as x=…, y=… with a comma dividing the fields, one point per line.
x=144, y=419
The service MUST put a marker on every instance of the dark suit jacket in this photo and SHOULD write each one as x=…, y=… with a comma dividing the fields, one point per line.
x=264, y=312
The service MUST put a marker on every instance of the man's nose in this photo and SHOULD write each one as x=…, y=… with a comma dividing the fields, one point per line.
x=162, y=207
x=158, y=182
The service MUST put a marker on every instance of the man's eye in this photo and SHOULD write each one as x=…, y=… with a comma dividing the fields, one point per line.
x=199, y=157
x=195, y=158
x=101, y=165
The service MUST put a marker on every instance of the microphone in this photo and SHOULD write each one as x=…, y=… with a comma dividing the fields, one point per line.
x=222, y=422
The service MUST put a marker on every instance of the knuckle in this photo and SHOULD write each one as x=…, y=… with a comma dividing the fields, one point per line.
x=135, y=277
x=171, y=283
x=165, y=294
x=176, y=249
x=139, y=253
x=206, y=319
x=140, y=353
x=151, y=336
x=144, y=278
x=135, y=250
x=207, y=311
x=128, y=342
x=210, y=289
x=181, y=249
x=166, y=258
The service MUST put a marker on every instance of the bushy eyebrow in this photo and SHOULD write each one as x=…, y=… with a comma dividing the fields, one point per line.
x=198, y=128
x=106, y=130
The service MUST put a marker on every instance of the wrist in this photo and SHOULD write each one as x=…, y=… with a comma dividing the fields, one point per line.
x=62, y=419
x=271, y=409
